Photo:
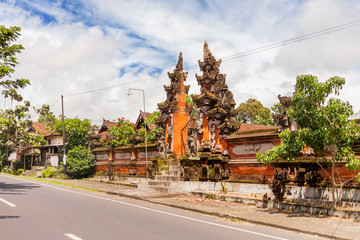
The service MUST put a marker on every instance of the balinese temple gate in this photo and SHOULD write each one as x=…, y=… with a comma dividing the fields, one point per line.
x=206, y=142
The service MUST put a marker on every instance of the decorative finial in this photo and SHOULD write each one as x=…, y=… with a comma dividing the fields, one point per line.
x=179, y=65
x=207, y=53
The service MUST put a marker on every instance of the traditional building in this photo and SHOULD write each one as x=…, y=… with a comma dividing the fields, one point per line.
x=205, y=141
x=126, y=160
x=49, y=152
x=174, y=115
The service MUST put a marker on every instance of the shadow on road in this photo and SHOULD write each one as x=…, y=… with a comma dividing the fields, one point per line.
x=11, y=188
x=6, y=217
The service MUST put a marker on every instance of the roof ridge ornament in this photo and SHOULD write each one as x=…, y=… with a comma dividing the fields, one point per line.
x=207, y=52
x=179, y=65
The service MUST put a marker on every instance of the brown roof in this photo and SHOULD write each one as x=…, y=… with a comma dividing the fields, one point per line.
x=107, y=125
x=141, y=118
x=41, y=128
x=145, y=114
x=253, y=130
x=246, y=128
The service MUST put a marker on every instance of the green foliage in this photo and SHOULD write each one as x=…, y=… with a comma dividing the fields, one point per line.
x=76, y=131
x=324, y=125
x=252, y=111
x=46, y=116
x=13, y=121
x=80, y=162
x=289, y=149
x=153, y=117
x=277, y=108
x=324, y=122
x=121, y=133
x=49, y=172
x=18, y=171
x=191, y=105
x=151, y=135
x=14, y=172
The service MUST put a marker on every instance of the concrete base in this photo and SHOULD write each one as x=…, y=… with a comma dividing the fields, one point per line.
x=286, y=205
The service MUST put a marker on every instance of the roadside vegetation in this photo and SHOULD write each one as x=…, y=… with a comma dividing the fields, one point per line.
x=324, y=127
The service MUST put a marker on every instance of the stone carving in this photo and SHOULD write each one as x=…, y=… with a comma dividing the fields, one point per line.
x=192, y=143
x=252, y=148
x=162, y=146
x=104, y=156
x=150, y=154
x=215, y=100
x=282, y=119
x=170, y=130
x=124, y=155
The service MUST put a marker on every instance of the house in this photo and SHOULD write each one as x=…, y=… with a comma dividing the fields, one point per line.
x=48, y=152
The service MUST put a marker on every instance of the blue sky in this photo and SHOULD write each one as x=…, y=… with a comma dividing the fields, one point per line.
x=77, y=46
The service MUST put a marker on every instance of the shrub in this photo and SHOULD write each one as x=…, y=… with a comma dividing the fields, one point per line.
x=17, y=172
x=80, y=162
x=49, y=172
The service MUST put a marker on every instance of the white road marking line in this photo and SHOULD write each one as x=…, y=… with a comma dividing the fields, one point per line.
x=153, y=210
x=8, y=203
x=72, y=236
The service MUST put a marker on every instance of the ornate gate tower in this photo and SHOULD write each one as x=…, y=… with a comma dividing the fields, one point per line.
x=174, y=114
x=207, y=151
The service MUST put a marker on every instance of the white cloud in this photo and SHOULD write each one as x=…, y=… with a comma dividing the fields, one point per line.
x=121, y=43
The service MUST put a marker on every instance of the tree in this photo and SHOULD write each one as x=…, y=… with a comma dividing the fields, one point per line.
x=252, y=111
x=121, y=133
x=151, y=120
x=76, y=131
x=80, y=162
x=324, y=128
x=46, y=116
x=13, y=121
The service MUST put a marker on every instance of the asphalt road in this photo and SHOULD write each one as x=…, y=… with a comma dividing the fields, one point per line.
x=36, y=210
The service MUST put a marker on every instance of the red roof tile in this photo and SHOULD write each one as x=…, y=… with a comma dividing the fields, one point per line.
x=244, y=128
x=41, y=128
x=140, y=119
x=107, y=125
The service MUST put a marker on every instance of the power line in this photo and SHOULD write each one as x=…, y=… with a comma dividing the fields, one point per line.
x=50, y=106
x=242, y=54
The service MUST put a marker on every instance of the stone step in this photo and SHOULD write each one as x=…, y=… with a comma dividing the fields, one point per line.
x=174, y=168
x=170, y=173
x=159, y=183
x=165, y=189
x=167, y=178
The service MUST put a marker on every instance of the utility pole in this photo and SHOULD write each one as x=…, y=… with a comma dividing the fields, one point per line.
x=63, y=128
x=146, y=155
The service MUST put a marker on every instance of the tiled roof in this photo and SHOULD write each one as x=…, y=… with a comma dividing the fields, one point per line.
x=245, y=128
x=253, y=130
x=145, y=114
x=140, y=119
x=110, y=124
x=41, y=128
x=107, y=125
